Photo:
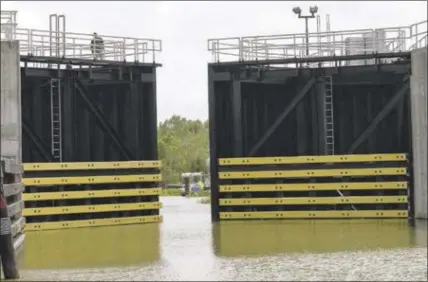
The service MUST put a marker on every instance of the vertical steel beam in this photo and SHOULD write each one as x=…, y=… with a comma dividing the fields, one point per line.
x=68, y=118
x=152, y=118
x=133, y=118
x=369, y=117
x=301, y=129
x=314, y=121
x=98, y=132
x=321, y=114
x=215, y=215
x=114, y=108
x=144, y=120
x=237, y=119
x=84, y=138
x=36, y=115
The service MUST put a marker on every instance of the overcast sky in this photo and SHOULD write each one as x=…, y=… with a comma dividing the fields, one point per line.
x=184, y=28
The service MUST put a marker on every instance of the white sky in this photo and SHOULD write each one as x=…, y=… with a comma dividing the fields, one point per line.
x=184, y=28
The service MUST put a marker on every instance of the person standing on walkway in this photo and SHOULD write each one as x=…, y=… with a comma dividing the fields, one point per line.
x=97, y=47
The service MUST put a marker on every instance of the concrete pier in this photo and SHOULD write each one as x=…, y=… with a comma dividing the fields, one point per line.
x=418, y=85
x=12, y=222
x=10, y=101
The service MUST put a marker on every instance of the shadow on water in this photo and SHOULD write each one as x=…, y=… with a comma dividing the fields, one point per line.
x=262, y=238
x=97, y=247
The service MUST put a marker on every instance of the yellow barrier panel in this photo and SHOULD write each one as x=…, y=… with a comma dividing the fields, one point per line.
x=90, y=165
x=91, y=194
x=73, y=180
x=91, y=223
x=313, y=200
x=312, y=159
x=313, y=173
x=314, y=214
x=91, y=208
x=57, y=194
x=373, y=186
x=314, y=187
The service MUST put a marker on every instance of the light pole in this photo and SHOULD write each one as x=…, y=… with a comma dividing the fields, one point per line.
x=313, y=10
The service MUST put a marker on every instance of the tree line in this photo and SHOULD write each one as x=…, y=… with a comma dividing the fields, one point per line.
x=183, y=147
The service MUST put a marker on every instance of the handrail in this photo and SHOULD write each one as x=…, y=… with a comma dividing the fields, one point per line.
x=331, y=43
x=72, y=45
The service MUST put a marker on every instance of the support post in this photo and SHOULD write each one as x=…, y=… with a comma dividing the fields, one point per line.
x=132, y=117
x=215, y=214
x=152, y=102
x=321, y=114
x=237, y=119
x=68, y=118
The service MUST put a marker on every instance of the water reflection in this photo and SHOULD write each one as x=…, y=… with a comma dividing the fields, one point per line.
x=112, y=246
x=261, y=238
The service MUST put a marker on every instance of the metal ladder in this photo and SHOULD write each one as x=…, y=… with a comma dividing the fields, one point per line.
x=57, y=49
x=56, y=124
x=329, y=117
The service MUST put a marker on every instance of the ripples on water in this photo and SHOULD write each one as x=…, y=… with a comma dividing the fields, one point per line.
x=186, y=247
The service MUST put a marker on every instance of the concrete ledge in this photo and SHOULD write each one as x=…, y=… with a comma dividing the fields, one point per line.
x=13, y=189
x=18, y=226
x=15, y=208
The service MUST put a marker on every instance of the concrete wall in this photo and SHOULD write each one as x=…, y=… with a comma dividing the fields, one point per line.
x=10, y=101
x=12, y=222
x=418, y=89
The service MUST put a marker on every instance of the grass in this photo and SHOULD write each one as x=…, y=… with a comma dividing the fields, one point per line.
x=170, y=192
x=205, y=200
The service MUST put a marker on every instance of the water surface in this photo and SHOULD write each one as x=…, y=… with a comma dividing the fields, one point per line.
x=187, y=247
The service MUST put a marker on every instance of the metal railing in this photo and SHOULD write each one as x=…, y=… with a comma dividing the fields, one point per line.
x=78, y=45
x=8, y=24
x=331, y=43
x=56, y=42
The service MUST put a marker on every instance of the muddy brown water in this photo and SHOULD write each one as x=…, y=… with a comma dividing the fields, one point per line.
x=187, y=247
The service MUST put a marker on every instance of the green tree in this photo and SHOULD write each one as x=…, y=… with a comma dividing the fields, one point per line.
x=183, y=146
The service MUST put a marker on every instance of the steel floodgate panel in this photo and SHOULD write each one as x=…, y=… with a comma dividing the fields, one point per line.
x=302, y=187
x=103, y=194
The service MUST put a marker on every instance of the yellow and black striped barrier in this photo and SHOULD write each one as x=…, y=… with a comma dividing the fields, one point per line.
x=314, y=187
x=70, y=195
